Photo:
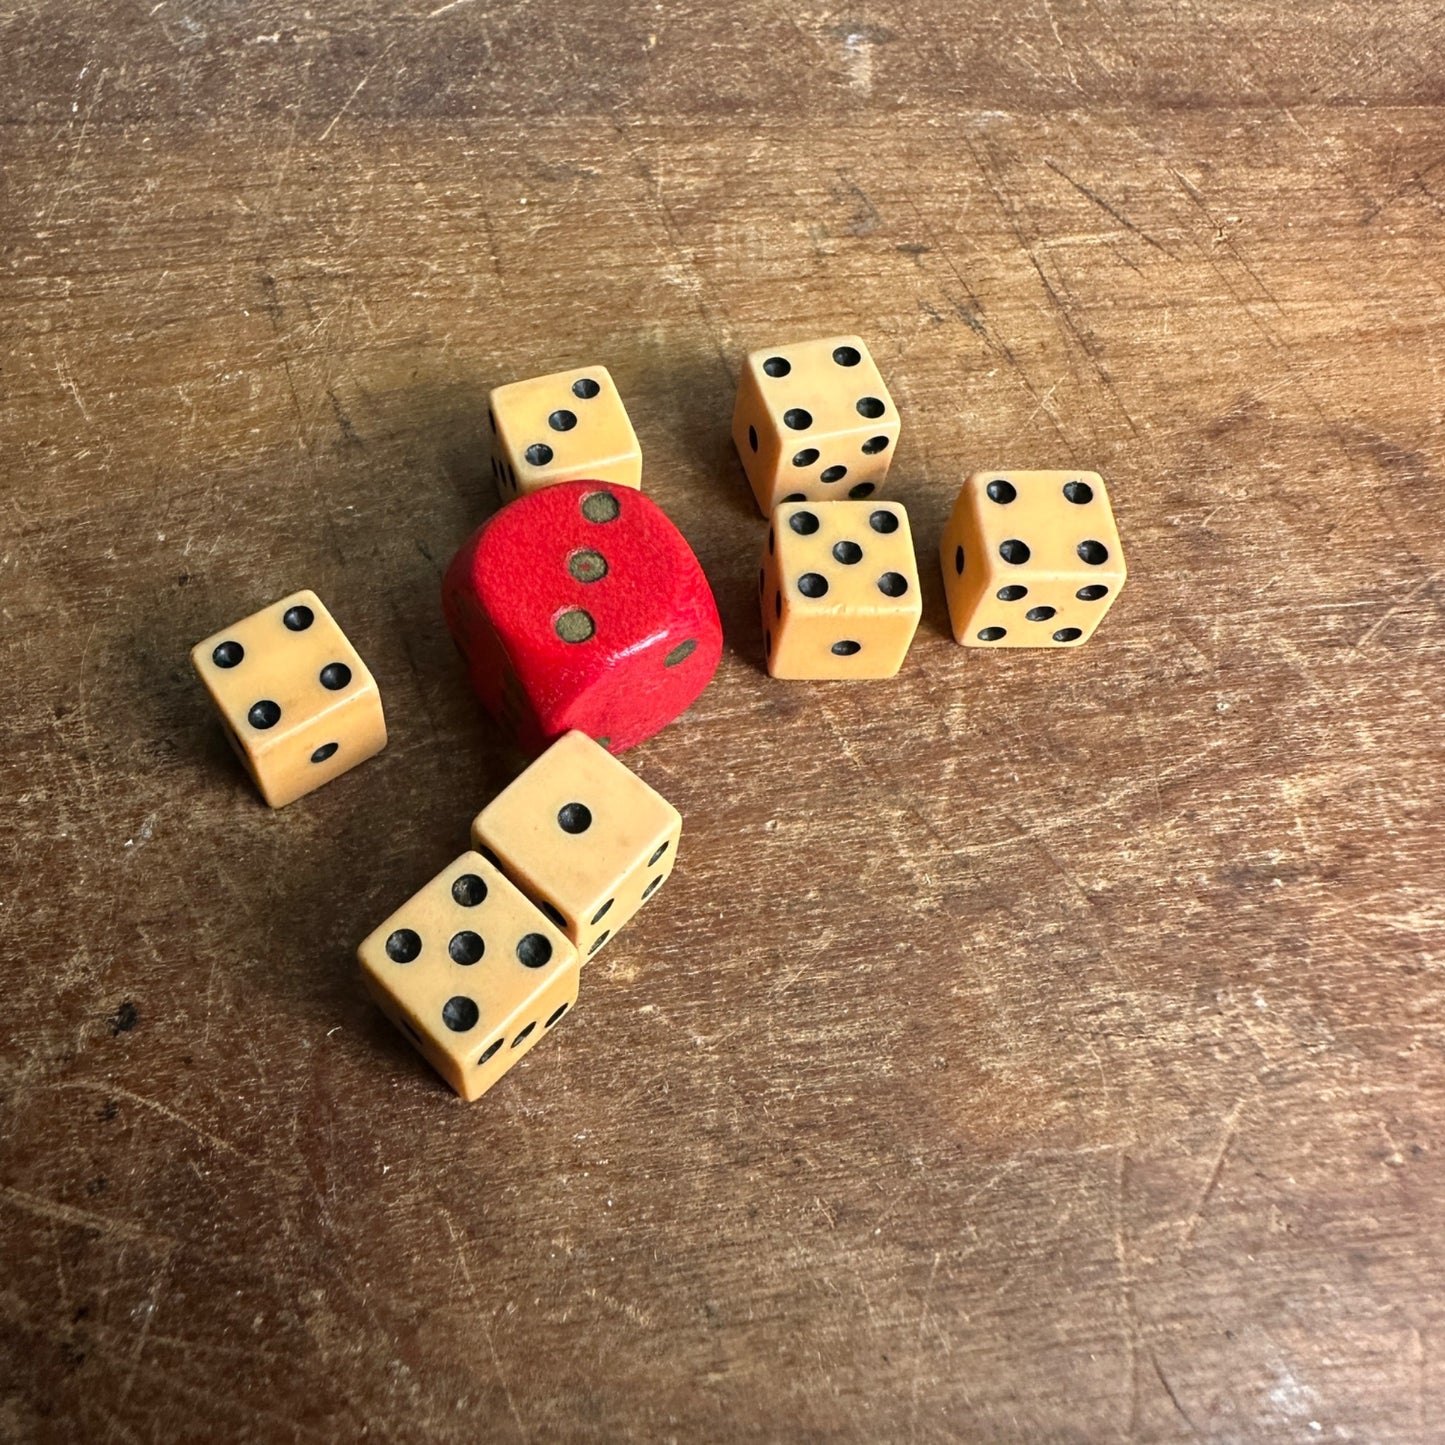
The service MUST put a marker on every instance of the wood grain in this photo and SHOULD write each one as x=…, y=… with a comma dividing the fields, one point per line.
x=1037, y=1048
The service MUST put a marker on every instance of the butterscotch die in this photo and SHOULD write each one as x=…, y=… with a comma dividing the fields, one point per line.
x=567, y=427
x=583, y=836
x=814, y=421
x=471, y=972
x=298, y=704
x=838, y=589
x=1030, y=559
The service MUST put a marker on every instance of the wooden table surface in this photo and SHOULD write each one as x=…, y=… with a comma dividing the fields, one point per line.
x=1038, y=1047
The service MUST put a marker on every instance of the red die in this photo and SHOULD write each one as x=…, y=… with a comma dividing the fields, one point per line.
x=581, y=606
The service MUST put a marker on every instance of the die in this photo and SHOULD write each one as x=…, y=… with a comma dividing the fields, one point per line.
x=814, y=421
x=839, y=590
x=582, y=607
x=1030, y=559
x=298, y=704
x=471, y=972
x=561, y=428
x=582, y=836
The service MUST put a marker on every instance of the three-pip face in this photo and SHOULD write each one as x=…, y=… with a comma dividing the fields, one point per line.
x=582, y=607
x=564, y=427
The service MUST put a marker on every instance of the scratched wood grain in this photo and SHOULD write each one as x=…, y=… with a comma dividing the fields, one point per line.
x=1037, y=1048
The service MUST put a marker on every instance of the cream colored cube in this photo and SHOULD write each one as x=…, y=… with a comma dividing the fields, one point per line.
x=1031, y=559
x=471, y=972
x=839, y=590
x=814, y=422
x=567, y=427
x=298, y=704
x=582, y=836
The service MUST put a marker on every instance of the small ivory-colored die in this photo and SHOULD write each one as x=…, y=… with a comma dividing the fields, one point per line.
x=838, y=589
x=471, y=972
x=298, y=704
x=567, y=427
x=582, y=836
x=1030, y=559
x=814, y=422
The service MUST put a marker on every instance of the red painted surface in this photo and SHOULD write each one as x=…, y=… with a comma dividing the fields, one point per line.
x=515, y=582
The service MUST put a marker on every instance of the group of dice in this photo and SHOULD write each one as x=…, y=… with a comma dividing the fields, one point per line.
x=1030, y=559
x=484, y=960
x=587, y=624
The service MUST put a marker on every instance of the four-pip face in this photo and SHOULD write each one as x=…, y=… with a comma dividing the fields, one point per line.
x=297, y=702
x=814, y=421
x=1030, y=559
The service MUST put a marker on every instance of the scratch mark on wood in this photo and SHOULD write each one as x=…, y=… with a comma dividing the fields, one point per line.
x=972, y=316
x=1126, y=1295
x=360, y=86
x=1369, y=633
x=94, y=1086
x=1231, y=1129
x=1062, y=306
x=67, y=381
x=479, y=1314
x=1173, y=1398
x=54, y=1212
x=1063, y=49
x=1104, y=205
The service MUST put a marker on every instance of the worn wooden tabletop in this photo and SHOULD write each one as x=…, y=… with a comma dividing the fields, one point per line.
x=1039, y=1047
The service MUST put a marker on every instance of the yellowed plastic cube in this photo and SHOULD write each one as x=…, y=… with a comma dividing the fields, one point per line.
x=814, y=422
x=1030, y=559
x=471, y=972
x=567, y=427
x=838, y=589
x=583, y=836
x=298, y=704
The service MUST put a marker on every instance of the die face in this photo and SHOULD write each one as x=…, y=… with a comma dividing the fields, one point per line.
x=298, y=704
x=1031, y=559
x=472, y=973
x=582, y=607
x=838, y=590
x=564, y=427
x=814, y=421
x=584, y=837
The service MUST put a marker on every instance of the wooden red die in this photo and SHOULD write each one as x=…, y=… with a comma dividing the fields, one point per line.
x=582, y=606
